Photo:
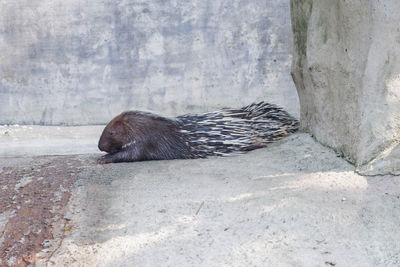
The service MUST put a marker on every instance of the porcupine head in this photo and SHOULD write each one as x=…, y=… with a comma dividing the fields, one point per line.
x=115, y=135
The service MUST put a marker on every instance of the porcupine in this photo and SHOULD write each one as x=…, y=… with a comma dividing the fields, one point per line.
x=138, y=136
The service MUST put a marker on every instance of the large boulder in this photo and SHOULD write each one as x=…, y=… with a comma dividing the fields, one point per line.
x=346, y=67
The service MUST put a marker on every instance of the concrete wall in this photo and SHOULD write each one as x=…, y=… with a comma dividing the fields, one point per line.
x=346, y=67
x=82, y=62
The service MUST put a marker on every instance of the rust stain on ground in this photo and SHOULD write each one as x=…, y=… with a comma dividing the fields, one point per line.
x=34, y=200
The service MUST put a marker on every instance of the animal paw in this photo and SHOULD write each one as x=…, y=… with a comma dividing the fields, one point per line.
x=104, y=160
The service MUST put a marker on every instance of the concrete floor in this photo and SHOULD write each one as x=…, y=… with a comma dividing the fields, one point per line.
x=294, y=203
x=33, y=140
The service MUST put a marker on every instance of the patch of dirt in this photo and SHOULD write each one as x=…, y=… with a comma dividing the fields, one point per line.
x=33, y=201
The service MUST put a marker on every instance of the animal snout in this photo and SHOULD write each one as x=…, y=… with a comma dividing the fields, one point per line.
x=101, y=147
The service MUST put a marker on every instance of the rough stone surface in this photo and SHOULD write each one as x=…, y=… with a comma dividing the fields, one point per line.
x=347, y=72
x=294, y=203
x=35, y=140
x=32, y=206
x=83, y=62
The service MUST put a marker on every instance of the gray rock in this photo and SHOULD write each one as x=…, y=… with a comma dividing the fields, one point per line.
x=347, y=72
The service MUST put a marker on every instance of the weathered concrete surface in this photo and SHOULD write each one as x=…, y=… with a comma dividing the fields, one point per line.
x=83, y=62
x=33, y=140
x=346, y=68
x=33, y=200
x=294, y=203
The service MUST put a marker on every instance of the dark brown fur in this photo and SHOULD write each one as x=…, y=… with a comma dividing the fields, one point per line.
x=137, y=136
